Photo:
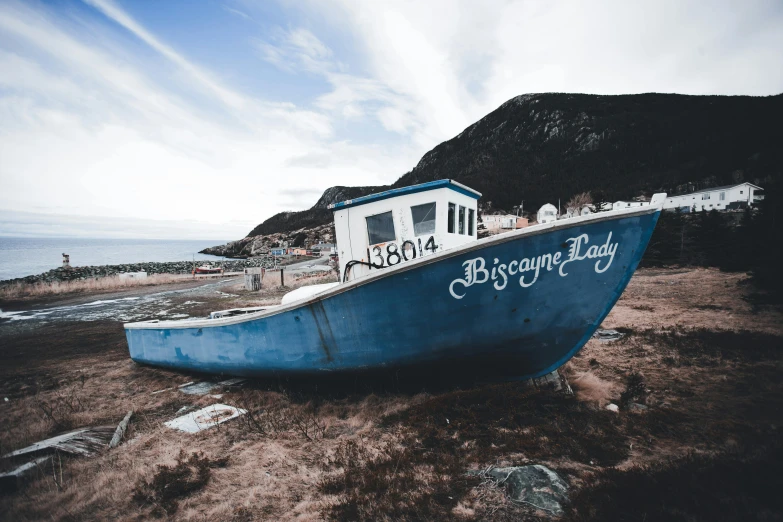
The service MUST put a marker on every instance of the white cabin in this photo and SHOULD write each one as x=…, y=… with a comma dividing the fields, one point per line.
x=547, y=213
x=717, y=198
x=391, y=227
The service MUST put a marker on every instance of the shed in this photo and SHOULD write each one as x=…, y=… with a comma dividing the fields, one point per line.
x=547, y=213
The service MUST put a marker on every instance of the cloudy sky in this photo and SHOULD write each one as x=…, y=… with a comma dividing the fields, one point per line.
x=200, y=119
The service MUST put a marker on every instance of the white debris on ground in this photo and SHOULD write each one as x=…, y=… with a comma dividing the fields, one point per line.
x=205, y=418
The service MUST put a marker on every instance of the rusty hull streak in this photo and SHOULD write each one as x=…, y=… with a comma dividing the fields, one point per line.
x=329, y=337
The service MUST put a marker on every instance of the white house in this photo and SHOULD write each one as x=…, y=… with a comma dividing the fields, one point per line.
x=403, y=224
x=716, y=198
x=547, y=213
x=618, y=205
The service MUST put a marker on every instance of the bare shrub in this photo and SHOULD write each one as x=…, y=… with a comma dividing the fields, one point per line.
x=170, y=483
x=306, y=422
x=591, y=388
x=266, y=421
x=578, y=201
x=59, y=408
x=269, y=416
x=635, y=389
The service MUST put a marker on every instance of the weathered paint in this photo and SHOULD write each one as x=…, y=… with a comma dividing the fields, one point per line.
x=408, y=315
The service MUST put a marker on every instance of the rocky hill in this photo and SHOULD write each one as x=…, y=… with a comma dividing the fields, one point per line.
x=543, y=147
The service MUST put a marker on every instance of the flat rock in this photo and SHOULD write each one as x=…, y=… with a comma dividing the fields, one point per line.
x=535, y=485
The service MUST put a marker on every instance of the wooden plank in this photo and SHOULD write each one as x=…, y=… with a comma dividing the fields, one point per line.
x=85, y=442
x=120, y=431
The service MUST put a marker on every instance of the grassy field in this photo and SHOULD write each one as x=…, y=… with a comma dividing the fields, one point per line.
x=698, y=352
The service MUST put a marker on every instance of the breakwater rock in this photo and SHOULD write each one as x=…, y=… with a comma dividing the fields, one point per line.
x=77, y=273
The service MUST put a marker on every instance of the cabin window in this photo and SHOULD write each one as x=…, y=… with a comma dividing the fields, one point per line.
x=722, y=196
x=705, y=196
x=452, y=217
x=461, y=219
x=380, y=228
x=423, y=219
x=471, y=220
x=740, y=192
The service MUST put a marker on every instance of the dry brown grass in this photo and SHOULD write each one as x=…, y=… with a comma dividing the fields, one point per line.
x=97, y=284
x=591, y=388
x=314, y=455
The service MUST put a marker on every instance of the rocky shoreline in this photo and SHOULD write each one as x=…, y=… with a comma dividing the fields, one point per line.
x=178, y=267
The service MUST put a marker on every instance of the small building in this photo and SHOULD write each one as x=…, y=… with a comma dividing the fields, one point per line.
x=323, y=249
x=726, y=197
x=619, y=205
x=547, y=213
x=300, y=251
x=497, y=222
x=278, y=251
x=399, y=225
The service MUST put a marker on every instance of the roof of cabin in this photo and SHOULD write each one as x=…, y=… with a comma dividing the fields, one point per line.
x=432, y=185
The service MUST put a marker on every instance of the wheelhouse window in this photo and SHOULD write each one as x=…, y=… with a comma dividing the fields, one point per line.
x=471, y=221
x=380, y=228
x=423, y=219
x=462, y=220
x=452, y=217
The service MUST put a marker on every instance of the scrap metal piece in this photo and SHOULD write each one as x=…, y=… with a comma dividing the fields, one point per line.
x=199, y=388
x=555, y=381
x=84, y=441
x=606, y=336
x=237, y=381
x=205, y=418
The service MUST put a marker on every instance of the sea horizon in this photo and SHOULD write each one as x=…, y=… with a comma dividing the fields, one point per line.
x=25, y=256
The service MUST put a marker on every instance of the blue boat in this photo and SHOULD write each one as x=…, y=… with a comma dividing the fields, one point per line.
x=418, y=289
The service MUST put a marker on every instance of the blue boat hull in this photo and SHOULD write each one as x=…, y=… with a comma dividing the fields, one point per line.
x=515, y=306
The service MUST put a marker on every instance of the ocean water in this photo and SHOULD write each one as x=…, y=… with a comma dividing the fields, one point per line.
x=21, y=257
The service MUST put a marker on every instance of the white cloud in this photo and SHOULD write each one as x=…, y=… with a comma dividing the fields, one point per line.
x=451, y=62
x=104, y=138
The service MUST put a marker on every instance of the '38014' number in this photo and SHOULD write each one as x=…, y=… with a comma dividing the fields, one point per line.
x=395, y=255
